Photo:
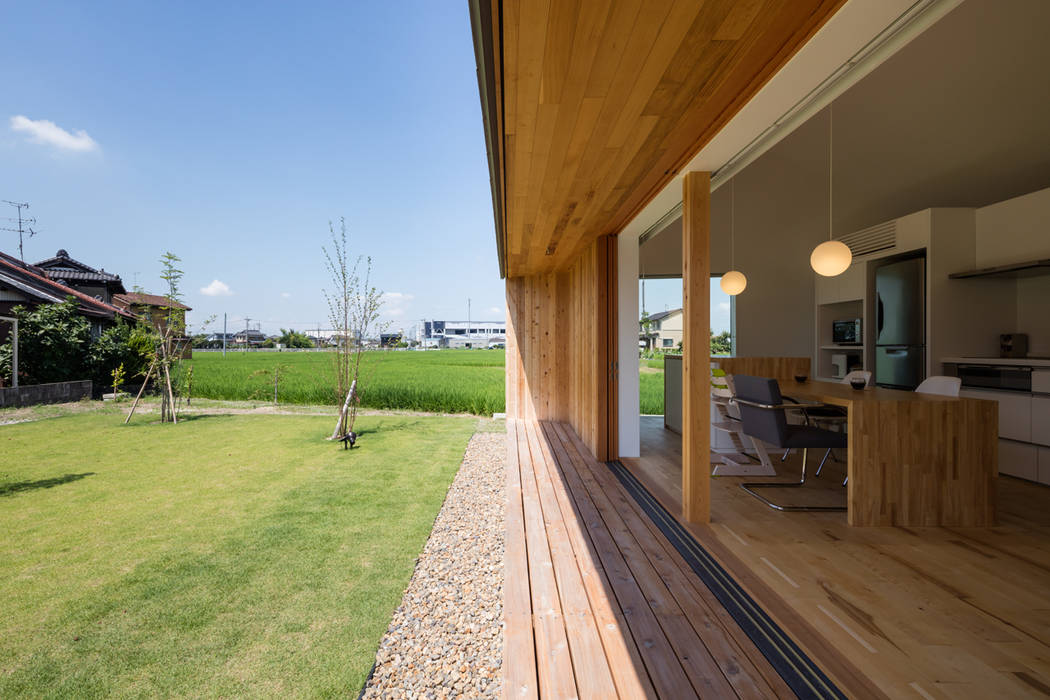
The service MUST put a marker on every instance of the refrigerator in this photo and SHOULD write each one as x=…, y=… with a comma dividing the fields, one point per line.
x=900, y=324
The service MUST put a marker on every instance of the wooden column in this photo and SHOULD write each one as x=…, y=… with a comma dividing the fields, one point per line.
x=696, y=347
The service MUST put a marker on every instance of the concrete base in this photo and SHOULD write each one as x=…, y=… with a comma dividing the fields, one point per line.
x=33, y=394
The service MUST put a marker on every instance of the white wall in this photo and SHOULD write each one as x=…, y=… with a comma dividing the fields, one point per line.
x=1018, y=230
x=628, y=389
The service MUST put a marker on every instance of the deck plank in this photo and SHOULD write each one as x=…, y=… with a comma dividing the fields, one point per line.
x=702, y=611
x=626, y=664
x=519, y=652
x=590, y=665
x=597, y=602
x=703, y=671
x=553, y=663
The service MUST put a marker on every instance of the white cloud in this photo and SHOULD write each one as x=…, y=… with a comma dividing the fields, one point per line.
x=395, y=303
x=217, y=289
x=496, y=310
x=47, y=132
x=285, y=295
x=723, y=305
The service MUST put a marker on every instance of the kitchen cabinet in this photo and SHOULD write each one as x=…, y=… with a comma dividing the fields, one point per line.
x=1041, y=381
x=1019, y=459
x=1044, y=465
x=1041, y=420
x=849, y=286
x=1015, y=412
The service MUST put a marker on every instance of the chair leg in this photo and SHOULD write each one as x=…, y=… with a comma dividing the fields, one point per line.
x=751, y=485
x=786, y=453
x=844, y=481
x=823, y=461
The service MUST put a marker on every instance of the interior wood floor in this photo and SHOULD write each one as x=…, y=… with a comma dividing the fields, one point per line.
x=922, y=612
x=597, y=603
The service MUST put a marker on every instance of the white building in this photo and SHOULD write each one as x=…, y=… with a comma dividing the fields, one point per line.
x=462, y=334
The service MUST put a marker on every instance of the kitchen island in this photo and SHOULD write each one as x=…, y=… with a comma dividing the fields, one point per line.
x=914, y=459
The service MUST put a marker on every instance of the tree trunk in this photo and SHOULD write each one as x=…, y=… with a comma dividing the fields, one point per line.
x=350, y=395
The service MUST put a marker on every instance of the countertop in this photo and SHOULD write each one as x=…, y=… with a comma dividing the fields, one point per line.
x=1002, y=361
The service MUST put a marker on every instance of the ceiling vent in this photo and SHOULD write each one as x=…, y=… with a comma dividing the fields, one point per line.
x=872, y=239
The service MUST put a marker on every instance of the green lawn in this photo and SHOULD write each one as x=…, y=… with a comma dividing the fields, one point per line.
x=442, y=381
x=234, y=556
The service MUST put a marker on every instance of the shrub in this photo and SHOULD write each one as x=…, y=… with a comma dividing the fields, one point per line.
x=52, y=344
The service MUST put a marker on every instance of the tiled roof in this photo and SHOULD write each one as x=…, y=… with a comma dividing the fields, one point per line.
x=663, y=314
x=31, y=280
x=141, y=299
x=61, y=266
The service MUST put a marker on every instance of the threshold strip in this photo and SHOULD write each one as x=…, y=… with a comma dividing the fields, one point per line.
x=796, y=668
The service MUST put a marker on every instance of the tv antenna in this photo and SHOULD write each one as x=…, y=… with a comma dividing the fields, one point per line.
x=25, y=225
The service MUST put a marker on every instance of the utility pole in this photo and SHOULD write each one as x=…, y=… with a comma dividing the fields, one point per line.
x=224, y=334
x=23, y=225
x=246, y=321
x=469, y=344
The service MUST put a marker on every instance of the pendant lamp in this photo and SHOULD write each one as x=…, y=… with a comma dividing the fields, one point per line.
x=831, y=257
x=734, y=281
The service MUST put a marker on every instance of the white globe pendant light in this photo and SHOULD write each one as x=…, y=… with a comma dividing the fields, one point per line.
x=734, y=281
x=831, y=257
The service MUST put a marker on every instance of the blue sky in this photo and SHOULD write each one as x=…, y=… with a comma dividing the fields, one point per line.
x=232, y=138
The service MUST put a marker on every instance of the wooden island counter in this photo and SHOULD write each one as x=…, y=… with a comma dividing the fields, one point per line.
x=913, y=459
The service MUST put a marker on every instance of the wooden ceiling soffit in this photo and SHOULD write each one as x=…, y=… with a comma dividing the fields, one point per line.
x=601, y=102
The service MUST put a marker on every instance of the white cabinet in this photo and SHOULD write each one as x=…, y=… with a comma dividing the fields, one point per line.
x=1019, y=459
x=851, y=282
x=1041, y=420
x=849, y=286
x=1041, y=381
x=1015, y=412
x=1044, y=465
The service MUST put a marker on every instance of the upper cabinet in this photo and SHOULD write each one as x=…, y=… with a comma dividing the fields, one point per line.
x=849, y=286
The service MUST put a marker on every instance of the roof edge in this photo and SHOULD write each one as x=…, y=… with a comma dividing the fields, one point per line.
x=481, y=24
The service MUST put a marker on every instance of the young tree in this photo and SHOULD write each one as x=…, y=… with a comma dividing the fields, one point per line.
x=353, y=311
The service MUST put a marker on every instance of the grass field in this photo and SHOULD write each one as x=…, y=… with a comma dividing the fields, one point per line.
x=442, y=381
x=227, y=556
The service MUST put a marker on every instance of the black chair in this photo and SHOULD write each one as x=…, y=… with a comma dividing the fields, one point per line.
x=763, y=414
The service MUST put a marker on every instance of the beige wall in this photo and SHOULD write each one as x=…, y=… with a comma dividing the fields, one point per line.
x=1013, y=231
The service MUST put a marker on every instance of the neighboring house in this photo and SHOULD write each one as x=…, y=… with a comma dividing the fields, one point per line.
x=665, y=330
x=214, y=340
x=27, y=285
x=250, y=337
x=155, y=310
x=65, y=270
x=389, y=340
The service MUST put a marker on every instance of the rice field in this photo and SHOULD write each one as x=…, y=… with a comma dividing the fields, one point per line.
x=439, y=381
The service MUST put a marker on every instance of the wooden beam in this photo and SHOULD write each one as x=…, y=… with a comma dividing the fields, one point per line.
x=696, y=347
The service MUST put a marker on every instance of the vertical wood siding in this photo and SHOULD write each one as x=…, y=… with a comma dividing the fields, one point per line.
x=559, y=345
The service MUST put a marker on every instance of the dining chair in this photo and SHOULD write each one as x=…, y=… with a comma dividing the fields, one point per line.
x=763, y=413
x=944, y=386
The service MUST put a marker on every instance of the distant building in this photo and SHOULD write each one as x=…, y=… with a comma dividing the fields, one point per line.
x=249, y=337
x=462, y=334
x=665, y=330
x=98, y=284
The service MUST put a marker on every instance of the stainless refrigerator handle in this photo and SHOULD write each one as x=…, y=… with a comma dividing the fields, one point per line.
x=879, y=312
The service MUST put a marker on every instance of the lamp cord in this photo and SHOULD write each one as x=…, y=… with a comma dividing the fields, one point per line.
x=732, y=224
x=831, y=166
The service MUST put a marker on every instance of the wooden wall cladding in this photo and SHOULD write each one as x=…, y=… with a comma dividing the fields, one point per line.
x=559, y=345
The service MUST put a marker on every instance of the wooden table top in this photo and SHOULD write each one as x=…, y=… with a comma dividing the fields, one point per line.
x=843, y=394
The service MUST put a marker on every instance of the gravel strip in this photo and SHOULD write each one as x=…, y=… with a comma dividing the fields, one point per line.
x=446, y=637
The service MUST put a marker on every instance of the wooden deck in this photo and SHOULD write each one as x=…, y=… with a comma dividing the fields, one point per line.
x=922, y=612
x=597, y=602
